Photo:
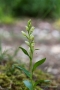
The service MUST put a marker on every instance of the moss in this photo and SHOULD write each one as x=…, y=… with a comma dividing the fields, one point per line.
x=38, y=88
x=2, y=68
x=4, y=81
x=40, y=75
x=14, y=80
x=18, y=85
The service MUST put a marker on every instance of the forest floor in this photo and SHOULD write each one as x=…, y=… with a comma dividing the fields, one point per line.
x=47, y=39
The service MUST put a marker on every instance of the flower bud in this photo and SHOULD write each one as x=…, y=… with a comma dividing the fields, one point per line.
x=27, y=28
x=23, y=33
x=32, y=37
x=31, y=30
x=27, y=43
x=29, y=22
x=32, y=44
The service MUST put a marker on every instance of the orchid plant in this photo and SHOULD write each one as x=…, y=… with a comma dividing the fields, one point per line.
x=30, y=83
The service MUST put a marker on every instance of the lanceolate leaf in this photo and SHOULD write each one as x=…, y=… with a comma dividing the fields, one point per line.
x=24, y=70
x=25, y=52
x=28, y=84
x=41, y=81
x=38, y=63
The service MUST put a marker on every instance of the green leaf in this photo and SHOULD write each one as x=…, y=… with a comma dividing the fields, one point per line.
x=38, y=63
x=25, y=52
x=28, y=84
x=41, y=81
x=24, y=70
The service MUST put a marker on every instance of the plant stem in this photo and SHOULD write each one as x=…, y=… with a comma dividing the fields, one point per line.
x=31, y=65
x=30, y=52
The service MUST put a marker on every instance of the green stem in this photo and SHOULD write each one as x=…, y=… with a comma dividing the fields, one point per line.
x=31, y=65
x=31, y=55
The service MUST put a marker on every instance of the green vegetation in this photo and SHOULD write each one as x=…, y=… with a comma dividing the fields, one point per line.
x=7, y=20
x=13, y=81
x=38, y=8
x=11, y=70
x=30, y=84
x=32, y=8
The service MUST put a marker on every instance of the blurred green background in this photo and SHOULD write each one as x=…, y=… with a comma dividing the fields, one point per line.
x=30, y=8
